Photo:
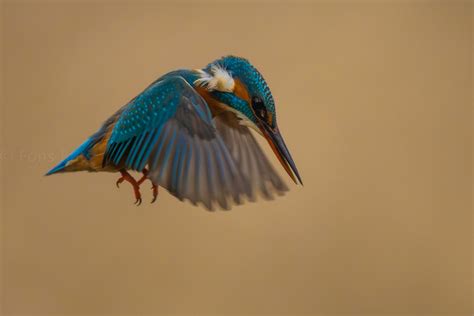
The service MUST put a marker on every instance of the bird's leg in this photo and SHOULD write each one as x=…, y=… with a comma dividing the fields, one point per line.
x=154, y=186
x=136, y=186
x=144, y=177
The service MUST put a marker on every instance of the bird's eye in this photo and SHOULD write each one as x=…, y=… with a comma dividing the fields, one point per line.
x=259, y=108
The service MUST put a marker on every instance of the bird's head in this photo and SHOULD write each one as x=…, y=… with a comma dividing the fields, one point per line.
x=234, y=84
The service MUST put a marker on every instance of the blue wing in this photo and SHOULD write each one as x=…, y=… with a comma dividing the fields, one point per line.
x=169, y=129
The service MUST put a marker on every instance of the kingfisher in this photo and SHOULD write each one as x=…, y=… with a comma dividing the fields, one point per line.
x=190, y=132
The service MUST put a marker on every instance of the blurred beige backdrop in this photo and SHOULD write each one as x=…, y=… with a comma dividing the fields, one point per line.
x=374, y=100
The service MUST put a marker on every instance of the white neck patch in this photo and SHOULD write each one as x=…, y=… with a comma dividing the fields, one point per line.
x=219, y=79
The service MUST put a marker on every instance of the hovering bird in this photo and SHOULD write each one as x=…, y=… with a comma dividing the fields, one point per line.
x=189, y=132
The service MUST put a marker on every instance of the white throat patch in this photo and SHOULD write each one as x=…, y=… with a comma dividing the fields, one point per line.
x=219, y=79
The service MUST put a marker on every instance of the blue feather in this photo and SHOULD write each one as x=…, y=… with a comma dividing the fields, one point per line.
x=119, y=155
x=76, y=153
x=150, y=147
x=133, y=151
x=143, y=149
x=134, y=163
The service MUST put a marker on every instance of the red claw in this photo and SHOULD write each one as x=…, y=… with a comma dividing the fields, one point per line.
x=136, y=185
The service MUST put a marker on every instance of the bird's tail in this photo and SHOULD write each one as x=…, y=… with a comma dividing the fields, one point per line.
x=61, y=167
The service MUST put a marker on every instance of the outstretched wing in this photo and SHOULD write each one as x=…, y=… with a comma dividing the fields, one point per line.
x=169, y=128
x=249, y=157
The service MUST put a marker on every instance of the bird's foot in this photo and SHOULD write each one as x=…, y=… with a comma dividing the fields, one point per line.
x=154, y=186
x=136, y=186
x=144, y=177
x=155, y=192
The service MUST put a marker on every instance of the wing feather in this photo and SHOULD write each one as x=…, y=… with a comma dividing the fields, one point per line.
x=249, y=157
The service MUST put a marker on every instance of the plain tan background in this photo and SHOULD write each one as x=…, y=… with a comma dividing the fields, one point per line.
x=374, y=100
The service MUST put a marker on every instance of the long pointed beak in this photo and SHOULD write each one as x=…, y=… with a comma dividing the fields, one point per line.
x=276, y=142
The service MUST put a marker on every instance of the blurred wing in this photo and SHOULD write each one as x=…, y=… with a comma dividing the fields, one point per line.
x=169, y=128
x=249, y=157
